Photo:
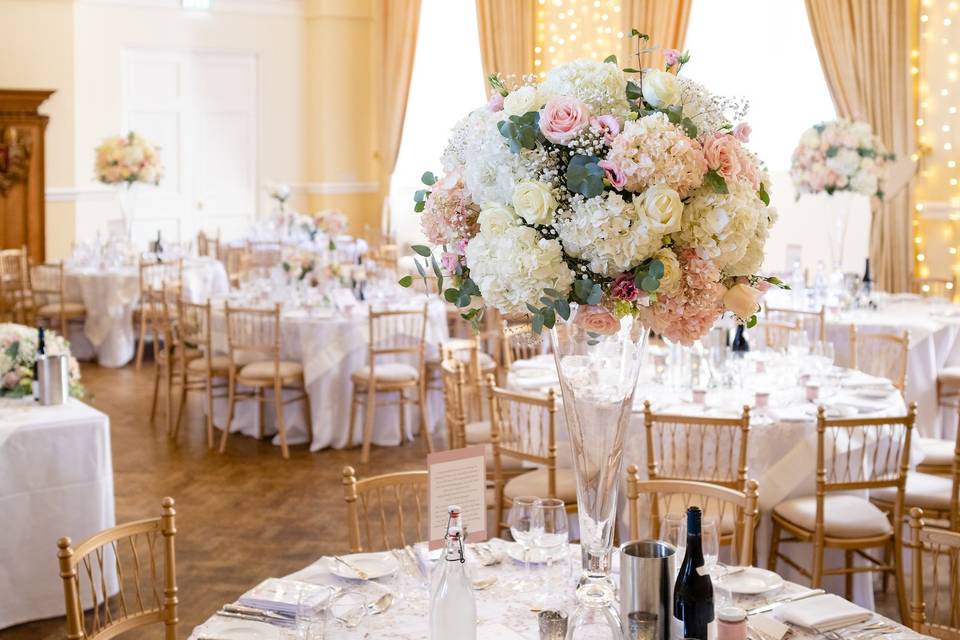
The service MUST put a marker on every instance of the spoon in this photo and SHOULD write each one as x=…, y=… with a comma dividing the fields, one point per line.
x=484, y=583
x=381, y=604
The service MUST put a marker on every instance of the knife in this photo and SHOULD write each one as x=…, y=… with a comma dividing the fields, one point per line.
x=770, y=606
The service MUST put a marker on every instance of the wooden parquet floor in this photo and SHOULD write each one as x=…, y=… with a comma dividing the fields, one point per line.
x=241, y=517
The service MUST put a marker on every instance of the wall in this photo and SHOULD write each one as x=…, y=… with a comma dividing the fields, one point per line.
x=41, y=45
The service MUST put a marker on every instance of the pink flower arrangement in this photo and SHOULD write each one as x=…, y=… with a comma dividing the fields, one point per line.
x=840, y=156
x=449, y=219
x=563, y=118
x=128, y=159
x=686, y=313
x=725, y=155
x=597, y=319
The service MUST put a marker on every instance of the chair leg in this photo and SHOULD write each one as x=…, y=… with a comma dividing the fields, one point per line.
x=424, y=422
x=898, y=574
x=848, y=577
x=774, y=547
x=353, y=415
x=156, y=391
x=818, y=549
x=261, y=413
x=168, y=370
x=183, y=399
x=231, y=402
x=368, y=417
x=281, y=424
x=403, y=417
x=885, y=576
x=208, y=384
x=142, y=338
x=308, y=415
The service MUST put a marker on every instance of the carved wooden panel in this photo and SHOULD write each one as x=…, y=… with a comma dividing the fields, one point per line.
x=22, y=170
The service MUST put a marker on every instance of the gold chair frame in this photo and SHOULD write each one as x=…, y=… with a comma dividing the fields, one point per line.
x=41, y=276
x=776, y=335
x=134, y=609
x=801, y=317
x=15, y=298
x=935, y=543
x=359, y=495
x=902, y=340
x=153, y=276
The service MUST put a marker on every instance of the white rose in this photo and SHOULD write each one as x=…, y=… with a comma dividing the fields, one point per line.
x=534, y=202
x=520, y=101
x=660, y=89
x=846, y=162
x=496, y=218
x=864, y=182
x=810, y=138
x=671, y=270
x=662, y=208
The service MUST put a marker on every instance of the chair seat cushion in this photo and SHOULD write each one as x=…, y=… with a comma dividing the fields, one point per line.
x=69, y=309
x=265, y=370
x=218, y=363
x=535, y=484
x=844, y=516
x=389, y=372
x=950, y=375
x=477, y=432
x=937, y=452
x=923, y=490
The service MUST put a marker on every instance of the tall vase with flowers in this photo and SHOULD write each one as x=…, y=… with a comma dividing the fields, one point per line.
x=125, y=162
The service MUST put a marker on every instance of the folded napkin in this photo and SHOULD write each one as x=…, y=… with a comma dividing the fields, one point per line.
x=823, y=613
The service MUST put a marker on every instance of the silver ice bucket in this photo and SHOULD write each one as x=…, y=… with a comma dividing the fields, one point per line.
x=647, y=573
x=53, y=379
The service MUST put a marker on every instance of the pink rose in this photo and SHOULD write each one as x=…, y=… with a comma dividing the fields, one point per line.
x=495, y=103
x=597, y=319
x=671, y=56
x=563, y=118
x=613, y=173
x=742, y=132
x=720, y=152
x=608, y=126
x=11, y=379
x=624, y=287
x=742, y=300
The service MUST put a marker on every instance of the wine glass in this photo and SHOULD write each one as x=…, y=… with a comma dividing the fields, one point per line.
x=550, y=533
x=312, y=605
x=521, y=525
x=348, y=608
x=673, y=529
x=710, y=541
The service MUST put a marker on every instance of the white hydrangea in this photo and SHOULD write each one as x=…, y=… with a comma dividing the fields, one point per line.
x=845, y=162
x=514, y=267
x=721, y=225
x=601, y=85
x=865, y=182
x=708, y=111
x=752, y=260
x=608, y=233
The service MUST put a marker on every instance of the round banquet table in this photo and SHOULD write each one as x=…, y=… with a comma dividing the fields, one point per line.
x=331, y=345
x=110, y=296
x=782, y=444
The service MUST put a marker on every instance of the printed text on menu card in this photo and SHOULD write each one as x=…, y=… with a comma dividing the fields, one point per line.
x=457, y=477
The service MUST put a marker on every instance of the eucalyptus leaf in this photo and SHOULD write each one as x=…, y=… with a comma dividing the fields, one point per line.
x=763, y=195
x=406, y=281
x=715, y=182
x=650, y=284
x=422, y=250
x=451, y=295
x=611, y=58
x=584, y=176
x=595, y=295
x=549, y=318
x=537, y=324
x=428, y=178
x=419, y=207
x=563, y=308
x=655, y=268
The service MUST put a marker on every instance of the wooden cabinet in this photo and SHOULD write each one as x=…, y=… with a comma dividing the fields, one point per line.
x=21, y=170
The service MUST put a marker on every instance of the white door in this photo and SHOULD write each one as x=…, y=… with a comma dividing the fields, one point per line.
x=200, y=108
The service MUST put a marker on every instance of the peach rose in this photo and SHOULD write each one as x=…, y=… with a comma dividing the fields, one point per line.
x=563, y=118
x=597, y=319
x=742, y=300
x=720, y=152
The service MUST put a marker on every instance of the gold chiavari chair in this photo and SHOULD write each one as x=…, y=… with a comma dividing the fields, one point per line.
x=387, y=511
x=202, y=371
x=50, y=306
x=235, y=262
x=453, y=380
x=880, y=354
x=168, y=352
x=814, y=323
x=524, y=428
x=395, y=337
x=147, y=592
x=675, y=496
x=253, y=337
x=15, y=298
x=852, y=455
x=154, y=274
x=264, y=254
x=208, y=245
x=518, y=342
x=935, y=612
x=776, y=335
x=467, y=350
x=935, y=287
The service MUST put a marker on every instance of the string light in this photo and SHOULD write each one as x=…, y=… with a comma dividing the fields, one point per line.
x=571, y=29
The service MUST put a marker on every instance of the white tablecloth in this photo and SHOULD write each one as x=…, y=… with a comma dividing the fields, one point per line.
x=331, y=349
x=56, y=479
x=110, y=297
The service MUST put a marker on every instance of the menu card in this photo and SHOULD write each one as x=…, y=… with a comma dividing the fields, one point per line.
x=457, y=477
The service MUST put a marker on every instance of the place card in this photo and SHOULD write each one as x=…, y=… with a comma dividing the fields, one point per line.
x=459, y=477
x=768, y=626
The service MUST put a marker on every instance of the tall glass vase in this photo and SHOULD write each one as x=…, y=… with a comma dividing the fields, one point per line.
x=841, y=205
x=127, y=197
x=598, y=359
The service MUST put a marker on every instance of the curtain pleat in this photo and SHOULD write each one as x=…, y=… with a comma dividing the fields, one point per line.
x=507, y=31
x=665, y=21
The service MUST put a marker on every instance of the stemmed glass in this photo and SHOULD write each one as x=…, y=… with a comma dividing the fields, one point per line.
x=521, y=525
x=312, y=605
x=348, y=608
x=798, y=343
x=550, y=533
x=673, y=529
x=710, y=540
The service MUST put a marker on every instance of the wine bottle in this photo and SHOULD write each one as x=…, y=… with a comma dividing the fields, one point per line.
x=159, y=247
x=867, y=280
x=453, y=607
x=740, y=344
x=693, y=593
x=41, y=353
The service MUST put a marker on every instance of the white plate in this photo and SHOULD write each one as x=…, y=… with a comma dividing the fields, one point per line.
x=752, y=581
x=874, y=393
x=537, y=556
x=375, y=565
x=232, y=629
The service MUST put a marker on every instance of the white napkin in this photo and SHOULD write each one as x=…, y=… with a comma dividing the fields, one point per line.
x=822, y=613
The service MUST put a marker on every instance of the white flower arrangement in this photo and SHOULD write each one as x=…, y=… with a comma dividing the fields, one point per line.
x=128, y=159
x=841, y=155
x=18, y=353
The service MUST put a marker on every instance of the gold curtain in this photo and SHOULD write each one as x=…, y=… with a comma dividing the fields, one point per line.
x=665, y=21
x=864, y=48
x=506, y=37
x=398, y=20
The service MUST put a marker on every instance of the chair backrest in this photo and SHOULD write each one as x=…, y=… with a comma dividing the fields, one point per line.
x=194, y=323
x=880, y=354
x=264, y=254
x=674, y=496
x=935, y=287
x=776, y=335
x=814, y=323
x=253, y=334
x=700, y=448
x=519, y=342
x=147, y=591
x=385, y=511
x=235, y=261
x=154, y=274
x=453, y=379
x=47, y=283
x=208, y=245
x=936, y=610
x=523, y=426
x=397, y=332
x=14, y=282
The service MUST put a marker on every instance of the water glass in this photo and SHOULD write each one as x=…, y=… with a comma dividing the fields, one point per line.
x=550, y=534
x=521, y=525
x=348, y=608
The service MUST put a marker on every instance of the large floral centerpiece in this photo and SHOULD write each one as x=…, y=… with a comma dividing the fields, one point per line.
x=601, y=202
x=18, y=353
x=125, y=161
x=332, y=223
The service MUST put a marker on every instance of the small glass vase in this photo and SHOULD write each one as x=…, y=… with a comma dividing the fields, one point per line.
x=598, y=360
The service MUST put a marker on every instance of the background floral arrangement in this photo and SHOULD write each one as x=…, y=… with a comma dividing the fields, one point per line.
x=18, y=352
x=627, y=190
x=331, y=222
x=299, y=264
x=130, y=158
x=840, y=156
